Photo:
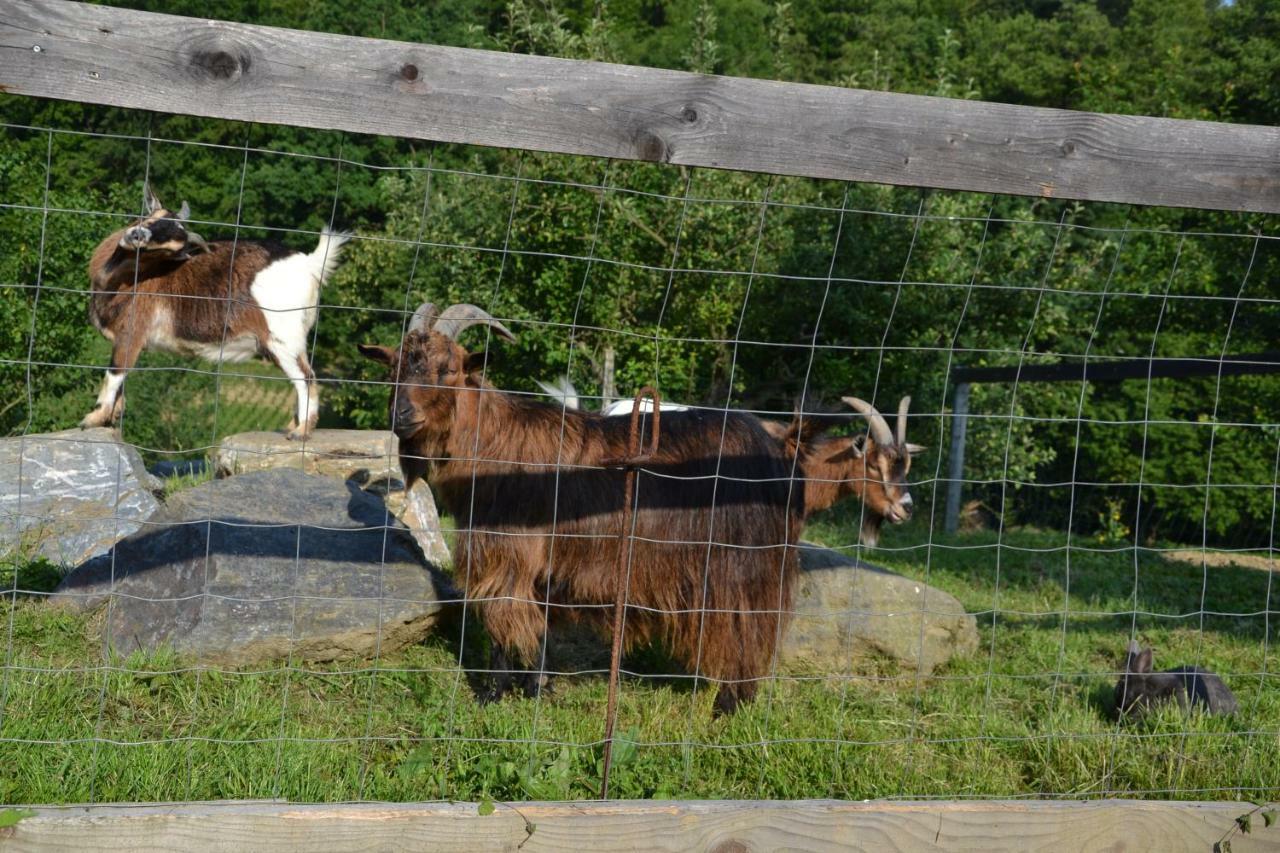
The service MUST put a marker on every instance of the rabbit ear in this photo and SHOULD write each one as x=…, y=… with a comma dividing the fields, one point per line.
x=1143, y=662
x=1130, y=655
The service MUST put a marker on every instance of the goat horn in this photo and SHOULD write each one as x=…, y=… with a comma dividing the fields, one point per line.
x=902, y=420
x=875, y=421
x=150, y=199
x=455, y=318
x=423, y=319
x=196, y=241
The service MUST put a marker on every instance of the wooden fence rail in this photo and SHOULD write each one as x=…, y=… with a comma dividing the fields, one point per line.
x=713, y=826
x=103, y=55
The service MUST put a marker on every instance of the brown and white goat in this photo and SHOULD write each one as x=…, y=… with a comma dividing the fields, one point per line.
x=712, y=563
x=157, y=285
x=874, y=467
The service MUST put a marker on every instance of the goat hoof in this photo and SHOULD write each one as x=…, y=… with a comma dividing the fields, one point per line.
x=490, y=695
x=537, y=683
x=726, y=703
x=298, y=434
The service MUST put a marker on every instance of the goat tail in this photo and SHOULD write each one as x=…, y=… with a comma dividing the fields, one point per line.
x=562, y=391
x=327, y=253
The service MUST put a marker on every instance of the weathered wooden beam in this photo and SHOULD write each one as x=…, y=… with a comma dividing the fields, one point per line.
x=103, y=55
x=720, y=826
x=1117, y=371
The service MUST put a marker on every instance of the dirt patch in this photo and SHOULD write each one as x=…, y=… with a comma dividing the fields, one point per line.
x=1262, y=562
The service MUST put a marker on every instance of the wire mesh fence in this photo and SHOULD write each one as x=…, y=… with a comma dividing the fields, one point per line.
x=1094, y=513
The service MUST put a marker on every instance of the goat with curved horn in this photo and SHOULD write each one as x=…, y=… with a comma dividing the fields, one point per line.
x=489, y=454
x=873, y=466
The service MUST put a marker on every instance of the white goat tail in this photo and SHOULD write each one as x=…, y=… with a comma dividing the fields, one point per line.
x=328, y=251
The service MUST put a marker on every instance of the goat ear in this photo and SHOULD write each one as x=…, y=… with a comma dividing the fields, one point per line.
x=386, y=355
x=801, y=431
x=476, y=361
x=185, y=213
x=152, y=200
x=915, y=449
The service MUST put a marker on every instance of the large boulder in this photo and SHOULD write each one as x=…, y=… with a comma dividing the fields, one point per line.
x=849, y=615
x=70, y=495
x=848, y=609
x=259, y=567
x=367, y=457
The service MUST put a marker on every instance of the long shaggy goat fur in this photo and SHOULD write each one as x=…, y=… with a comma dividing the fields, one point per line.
x=711, y=564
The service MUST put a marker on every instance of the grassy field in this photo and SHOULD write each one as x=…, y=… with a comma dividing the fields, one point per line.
x=1027, y=715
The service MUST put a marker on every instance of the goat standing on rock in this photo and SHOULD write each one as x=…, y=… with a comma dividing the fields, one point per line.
x=712, y=562
x=156, y=285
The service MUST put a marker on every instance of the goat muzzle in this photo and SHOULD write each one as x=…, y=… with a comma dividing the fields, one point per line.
x=136, y=238
x=404, y=419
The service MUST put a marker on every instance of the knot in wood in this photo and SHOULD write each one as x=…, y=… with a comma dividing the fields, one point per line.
x=730, y=846
x=219, y=64
x=689, y=114
x=649, y=146
x=409, y=71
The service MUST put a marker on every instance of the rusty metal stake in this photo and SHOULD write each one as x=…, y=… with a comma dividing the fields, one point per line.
x=629, y=462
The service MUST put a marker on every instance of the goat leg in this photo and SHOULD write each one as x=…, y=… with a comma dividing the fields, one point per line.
x=500, y=671
x=731, y=695
x=534, y=684
x=111, y=398
x=298, y=369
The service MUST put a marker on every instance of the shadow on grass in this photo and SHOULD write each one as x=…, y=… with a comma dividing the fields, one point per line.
x=1042, y=566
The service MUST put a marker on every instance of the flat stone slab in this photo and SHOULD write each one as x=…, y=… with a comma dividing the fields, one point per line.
x=847, y=608
x=70, y=495
x=367, y=457
x=259, y=567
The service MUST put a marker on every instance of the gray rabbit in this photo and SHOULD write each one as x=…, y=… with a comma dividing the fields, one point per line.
x=1139, y=689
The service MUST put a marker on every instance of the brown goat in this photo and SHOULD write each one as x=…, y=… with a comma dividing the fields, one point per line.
x=712, y=563
x=874, y=467
x=156, y=285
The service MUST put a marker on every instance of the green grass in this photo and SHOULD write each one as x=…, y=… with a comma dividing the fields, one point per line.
x=1028, y=714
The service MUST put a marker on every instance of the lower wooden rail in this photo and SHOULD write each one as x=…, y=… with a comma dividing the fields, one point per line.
x=714, y=826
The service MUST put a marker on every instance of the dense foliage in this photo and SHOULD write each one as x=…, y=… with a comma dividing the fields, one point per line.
x=894, y=285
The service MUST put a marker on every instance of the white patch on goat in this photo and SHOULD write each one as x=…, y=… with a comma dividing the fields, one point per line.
x=308, y=394
x=288, y=291
x=110, y=388
x=624, y=407
x=162, y=338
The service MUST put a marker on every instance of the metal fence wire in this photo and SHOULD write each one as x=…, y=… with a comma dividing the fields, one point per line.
x=922, y=663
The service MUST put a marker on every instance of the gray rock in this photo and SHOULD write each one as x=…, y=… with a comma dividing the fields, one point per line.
x=260, y=566
x=71, y=495
x=846, y=609
x=367, y=457
x=847, y=614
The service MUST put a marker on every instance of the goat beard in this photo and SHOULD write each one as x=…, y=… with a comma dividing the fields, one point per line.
x=871, y=529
